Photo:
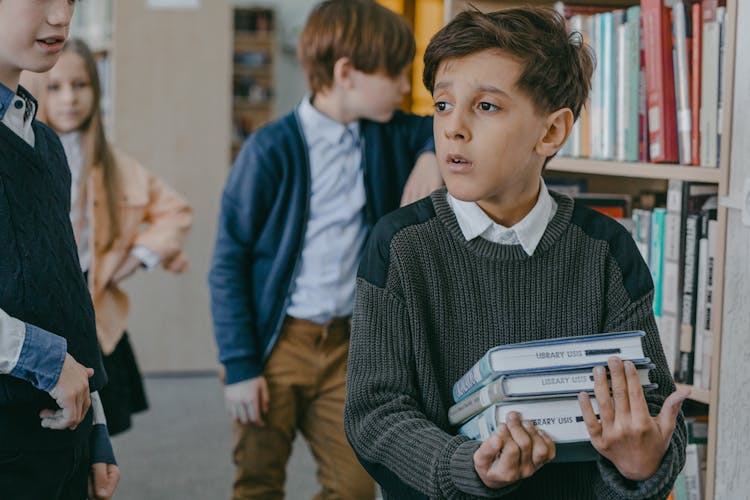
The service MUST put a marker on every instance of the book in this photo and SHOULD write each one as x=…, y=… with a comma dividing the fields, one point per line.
x=711, y=36
x=549, y=384
x=702, y=315
x=561, y=419
x=546, y=355
x=656, y=256
x=695, y=83
x=682, y=81
x=614, y=205
x=642, y=231
x=662, y=127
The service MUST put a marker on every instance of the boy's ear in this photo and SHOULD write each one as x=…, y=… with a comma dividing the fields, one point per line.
x=558, y=127
x=343, y=70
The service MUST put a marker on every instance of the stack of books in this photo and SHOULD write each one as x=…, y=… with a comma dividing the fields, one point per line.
x=541, y=381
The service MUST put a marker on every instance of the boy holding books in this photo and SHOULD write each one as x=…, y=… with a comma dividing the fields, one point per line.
x=297, y=208
x=53, y=436
x=497, y=259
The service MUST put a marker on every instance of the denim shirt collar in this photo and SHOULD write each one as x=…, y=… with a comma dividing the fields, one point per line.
x=7, y=95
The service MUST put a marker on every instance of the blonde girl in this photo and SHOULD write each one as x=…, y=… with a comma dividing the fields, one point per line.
x=124, y=219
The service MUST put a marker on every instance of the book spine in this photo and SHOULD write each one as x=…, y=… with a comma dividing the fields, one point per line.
x=682, y=91
x=671, y=297
x=656, y=255
x=721, y=19
x=472, y=379
x=700, y=307
x=642, y=97
x=709, y=85
x=621, y=84
x=659, y=82
x=481, y=426
x=632, y=74
x=689, y=291
x=476, y=402
x=708, y=327
x=695, y=84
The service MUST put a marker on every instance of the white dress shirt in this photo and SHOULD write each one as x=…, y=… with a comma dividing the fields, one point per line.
x=527, y=232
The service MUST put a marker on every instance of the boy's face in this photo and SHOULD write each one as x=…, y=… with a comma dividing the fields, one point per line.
x=486, y=130
x=375, y=96
x=32, y=35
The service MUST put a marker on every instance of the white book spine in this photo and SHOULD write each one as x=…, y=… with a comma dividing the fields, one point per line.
x=682, y=89
x=709, y=94
x=708, y=330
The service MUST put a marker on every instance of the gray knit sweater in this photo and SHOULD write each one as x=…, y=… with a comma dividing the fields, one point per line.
x=429, y=304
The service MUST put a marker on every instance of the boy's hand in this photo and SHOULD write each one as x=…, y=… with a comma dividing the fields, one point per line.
x=628, y=436
x=71, y=394
x=103, y=481
x=423, y=180
x=515, y=452
x=246, y=400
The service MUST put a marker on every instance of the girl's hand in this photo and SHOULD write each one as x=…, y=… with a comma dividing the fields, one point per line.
x=177, y=264
x=628, y=436
x=126, y=268
x=515, y=452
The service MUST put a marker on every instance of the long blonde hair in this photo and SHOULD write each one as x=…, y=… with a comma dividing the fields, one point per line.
x=97, y=151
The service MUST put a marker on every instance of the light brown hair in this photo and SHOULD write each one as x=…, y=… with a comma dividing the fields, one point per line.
x=556, y=66
x=374, y=38
x=94, y=138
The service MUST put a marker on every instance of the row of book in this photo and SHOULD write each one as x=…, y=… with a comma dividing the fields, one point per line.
x=691, y=482
x=541, y=381
x=679, y=243
x=656, y=91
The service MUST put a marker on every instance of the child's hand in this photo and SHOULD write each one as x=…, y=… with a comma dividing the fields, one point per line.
x=628, y=436
x=515, y=452
x=125, y=269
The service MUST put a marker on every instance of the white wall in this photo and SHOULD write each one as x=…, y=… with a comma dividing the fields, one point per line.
x=172, y=112
x=733, y=459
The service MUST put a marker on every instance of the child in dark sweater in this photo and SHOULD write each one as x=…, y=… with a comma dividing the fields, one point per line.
x=495, y=258
x=50, y=364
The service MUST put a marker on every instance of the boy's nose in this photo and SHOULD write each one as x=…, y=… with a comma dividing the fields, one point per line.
x=59, y=12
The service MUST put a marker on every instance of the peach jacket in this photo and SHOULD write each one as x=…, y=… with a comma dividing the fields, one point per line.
x=151, y=215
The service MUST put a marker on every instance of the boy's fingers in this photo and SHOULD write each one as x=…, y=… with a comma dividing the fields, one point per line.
x=601, y=391
x=589, y=417
x=667, y=417
x=510, y=455
x=519, y=430
x=264, y=397
x=538, y=445
x=619, y=387
x=487, y=452
x=551, y=447
x=636, y=398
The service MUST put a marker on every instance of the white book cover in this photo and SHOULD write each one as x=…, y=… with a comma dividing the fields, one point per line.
x=709, y=90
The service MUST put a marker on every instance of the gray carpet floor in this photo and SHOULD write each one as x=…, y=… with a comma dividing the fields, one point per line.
x=181, y=447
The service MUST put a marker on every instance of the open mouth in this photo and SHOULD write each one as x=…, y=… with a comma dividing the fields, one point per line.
x=52, y=43
x=458, y=163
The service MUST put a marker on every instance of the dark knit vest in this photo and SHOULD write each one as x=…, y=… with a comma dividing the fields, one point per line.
x=40, y=279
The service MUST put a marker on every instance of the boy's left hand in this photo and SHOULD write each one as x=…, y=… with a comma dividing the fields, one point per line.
x=423, y=180
x=627, y=435
x=103, y=481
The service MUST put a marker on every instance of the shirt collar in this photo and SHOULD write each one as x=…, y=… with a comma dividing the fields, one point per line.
x=318, y=126
x=7, y=96
x=528, y=231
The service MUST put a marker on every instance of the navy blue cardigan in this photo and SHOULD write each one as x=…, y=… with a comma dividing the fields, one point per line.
x=261, y=228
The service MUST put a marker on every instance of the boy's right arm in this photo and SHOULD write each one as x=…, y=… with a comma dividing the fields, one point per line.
x=39, y=357
x=246, y=201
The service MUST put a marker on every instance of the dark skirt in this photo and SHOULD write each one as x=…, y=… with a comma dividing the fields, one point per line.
x=124, y=394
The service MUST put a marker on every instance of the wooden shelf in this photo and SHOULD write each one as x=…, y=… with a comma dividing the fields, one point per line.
x=697, y=393
x=635, y=170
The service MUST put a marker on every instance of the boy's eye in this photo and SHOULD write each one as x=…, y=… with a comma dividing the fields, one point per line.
x=53, y=87
x=442, y=106
x=80, y=85
x=487, y=106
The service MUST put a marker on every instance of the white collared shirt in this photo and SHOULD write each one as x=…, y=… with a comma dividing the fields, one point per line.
x=336, y=229
x=527, y=232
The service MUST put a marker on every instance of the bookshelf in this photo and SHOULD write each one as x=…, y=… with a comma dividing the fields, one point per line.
x=623, y=176
x=253, y=54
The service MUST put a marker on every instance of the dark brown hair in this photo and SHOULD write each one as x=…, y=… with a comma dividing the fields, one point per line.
x=373, y=37
x=101, y=154
x=556, y=65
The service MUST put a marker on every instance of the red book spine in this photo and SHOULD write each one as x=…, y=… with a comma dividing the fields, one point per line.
x=642, y=114
x=662, y=115
x=695, y=84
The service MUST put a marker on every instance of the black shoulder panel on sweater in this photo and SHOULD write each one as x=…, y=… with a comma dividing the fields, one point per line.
x=377, y=254
x=635, y=273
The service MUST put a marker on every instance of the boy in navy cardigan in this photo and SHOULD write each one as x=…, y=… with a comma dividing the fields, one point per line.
x=49, y=356
x=297, y=208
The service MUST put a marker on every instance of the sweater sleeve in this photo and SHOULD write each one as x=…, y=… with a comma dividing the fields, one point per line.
x=630, y=297
x=409, y=455
x=245, y=205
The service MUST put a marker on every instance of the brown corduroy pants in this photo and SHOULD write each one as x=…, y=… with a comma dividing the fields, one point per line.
x=306, y=377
